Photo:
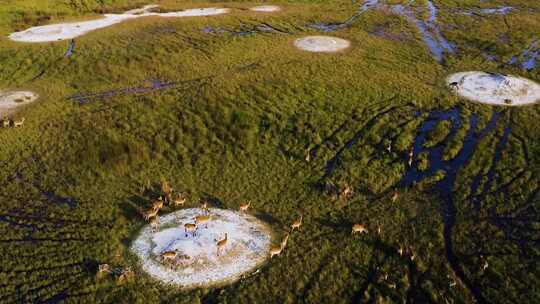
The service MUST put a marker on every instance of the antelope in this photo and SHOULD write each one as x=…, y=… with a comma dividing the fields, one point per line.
x=244, y=207
x=411, y=155
x=204, y=207
x=395, y=196
x=169, y=255
x=276, y=250
x=104, y=268
x=379, y=230
x=125, y=275
x=454, y=85
x=150, y=214
x=6, y=122
x=389, y=148
x=154, y=223
x=508, y=101
x=358, y=228
x=346, y=192
x=199, y=219
x=221, y=244
x=296, y=224
x=285, y=240
x=191, y=228
x=308, y=157
x=486, y=265
x=157, y=204
x=179, y=200
x=400, y=250
x=18, y=123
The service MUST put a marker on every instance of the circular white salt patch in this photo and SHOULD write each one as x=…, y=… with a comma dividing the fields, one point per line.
x=197, y=263
x=266, y=8
x=321, y=44
x=494, y=89
x=11, y=100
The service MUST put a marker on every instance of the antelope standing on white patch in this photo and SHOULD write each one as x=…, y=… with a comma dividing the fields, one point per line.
x=221, y=244
x=189, y=227
x=169, y=255
x=202, y=219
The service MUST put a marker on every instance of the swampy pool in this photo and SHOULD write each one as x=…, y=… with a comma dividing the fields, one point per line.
x=415, y=120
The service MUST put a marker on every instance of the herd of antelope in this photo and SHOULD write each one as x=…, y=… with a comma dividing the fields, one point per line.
x=6, y=122
x=205, y=217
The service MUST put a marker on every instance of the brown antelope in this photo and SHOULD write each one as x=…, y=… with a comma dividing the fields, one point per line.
x=221, y=244
x=308, y=157
x=179, y=200
x=189, y=227
x=204, y=207
x=169, y=255
x=297, y=223
x=125, y=275
x=379, y=229
x=202, y=219
x=395, y=196
x=389, y=148
x=6, y=122
x=154, y=223
x=276, y=250
x=104, y=268
x=285, y=240
x=244, y=207
x=486, y=265
x=411, y=156
x=18, y=123
x=150, y=214
x=157, y=204
x=347, y=192
x=358, y=228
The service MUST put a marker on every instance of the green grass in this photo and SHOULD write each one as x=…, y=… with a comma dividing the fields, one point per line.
x=239, y=128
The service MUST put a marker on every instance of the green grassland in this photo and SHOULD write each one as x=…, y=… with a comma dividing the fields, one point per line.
x=247, y=111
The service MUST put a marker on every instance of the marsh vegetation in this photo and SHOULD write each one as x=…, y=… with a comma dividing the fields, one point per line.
x=325, y=137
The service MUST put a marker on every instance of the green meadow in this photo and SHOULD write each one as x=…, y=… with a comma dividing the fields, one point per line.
x=251, y=117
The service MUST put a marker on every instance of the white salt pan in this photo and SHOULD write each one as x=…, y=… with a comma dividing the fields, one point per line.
x=322, y=44
x=63, y=31
x=11, y=100
x=198, y=264
x=495, y=89
x=266, y=8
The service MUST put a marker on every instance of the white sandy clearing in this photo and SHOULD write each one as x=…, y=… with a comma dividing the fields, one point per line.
x=322, y=44
x=10, y=101
x=495, y=89
x=266, y=8
x=197, y=263
x=63, y=31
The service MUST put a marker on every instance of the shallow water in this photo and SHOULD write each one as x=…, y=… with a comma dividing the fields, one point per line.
x=444, y=188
